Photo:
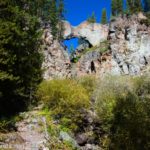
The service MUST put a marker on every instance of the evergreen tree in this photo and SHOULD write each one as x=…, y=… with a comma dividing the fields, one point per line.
x=104, y=16
x=114, y=7
x=147, y=5
x=134, y=6
x=138, y=5
x=60, y=18
x=20, y=56
x=117, y=7
x=53, y=17
x=92, y=18
x=120, y=6
x=20, y=59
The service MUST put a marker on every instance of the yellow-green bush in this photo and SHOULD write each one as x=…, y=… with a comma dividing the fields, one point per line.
x=108, y=90
x=55, y=144
x=65, y=98
x=88, y=82
x=123, y=107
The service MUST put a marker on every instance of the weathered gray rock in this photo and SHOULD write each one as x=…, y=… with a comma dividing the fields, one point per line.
x=56, y=59
x=64, y=136
x=82, y=47
x=129, y=49
x=82, y=139
x=84, y=66
x=130, y=44
x=94, y=33
x=91, y=147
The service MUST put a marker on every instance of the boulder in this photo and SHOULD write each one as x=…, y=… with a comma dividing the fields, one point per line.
x=82, y=139
x=64, y=136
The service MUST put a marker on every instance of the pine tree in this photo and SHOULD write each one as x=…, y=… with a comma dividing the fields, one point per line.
x=138, y=6
x=147, y=5
x=113, y=7
x=134, y=6
x=92, y=18
x=20, y=59
x=120, y=6
x=53, y=17
x=117, y=7
x=20, y=56
x=60, y=18
x=104, y=16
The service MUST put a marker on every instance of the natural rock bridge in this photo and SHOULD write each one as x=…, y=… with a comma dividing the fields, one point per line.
x=94, y=33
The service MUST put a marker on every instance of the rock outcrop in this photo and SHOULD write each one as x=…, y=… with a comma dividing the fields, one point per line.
x=127, y=53
x=130, y=44
x=56, y=62
x=94, y=33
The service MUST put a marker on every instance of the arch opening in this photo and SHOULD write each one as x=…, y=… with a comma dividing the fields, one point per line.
x=75, y=47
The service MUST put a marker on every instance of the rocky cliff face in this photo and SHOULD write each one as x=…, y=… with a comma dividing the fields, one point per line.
x=56, y=62
x=130, y=44
x=128, y=51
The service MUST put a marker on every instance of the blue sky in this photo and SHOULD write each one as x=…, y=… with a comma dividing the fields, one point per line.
x=78, y=10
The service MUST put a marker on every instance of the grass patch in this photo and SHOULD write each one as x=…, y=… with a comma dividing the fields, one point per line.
x=103, y=47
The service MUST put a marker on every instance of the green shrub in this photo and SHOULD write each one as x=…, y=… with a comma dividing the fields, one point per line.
x=123, y=107
x=104, y=46
x=88, y=82
x=64, y=98
x=107, y=92
x=130, y=127
x=75, y=60
x=55, y=144
x=8, y=124
x=89, y=50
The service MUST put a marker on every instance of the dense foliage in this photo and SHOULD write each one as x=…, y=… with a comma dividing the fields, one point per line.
x=117, y=7
x=131, y=6
x=20, y=57
x=66, y=99
x=147, y=5
x=104, y=16
x=123, y=105
x=134, y=6
x=20, y=60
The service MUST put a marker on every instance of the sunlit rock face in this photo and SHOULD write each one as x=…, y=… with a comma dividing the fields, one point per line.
x=130, y=44
x=128, y=52
x=94, y=33
x=56, y=63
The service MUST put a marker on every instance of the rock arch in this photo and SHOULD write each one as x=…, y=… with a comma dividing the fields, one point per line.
x=94, y=33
